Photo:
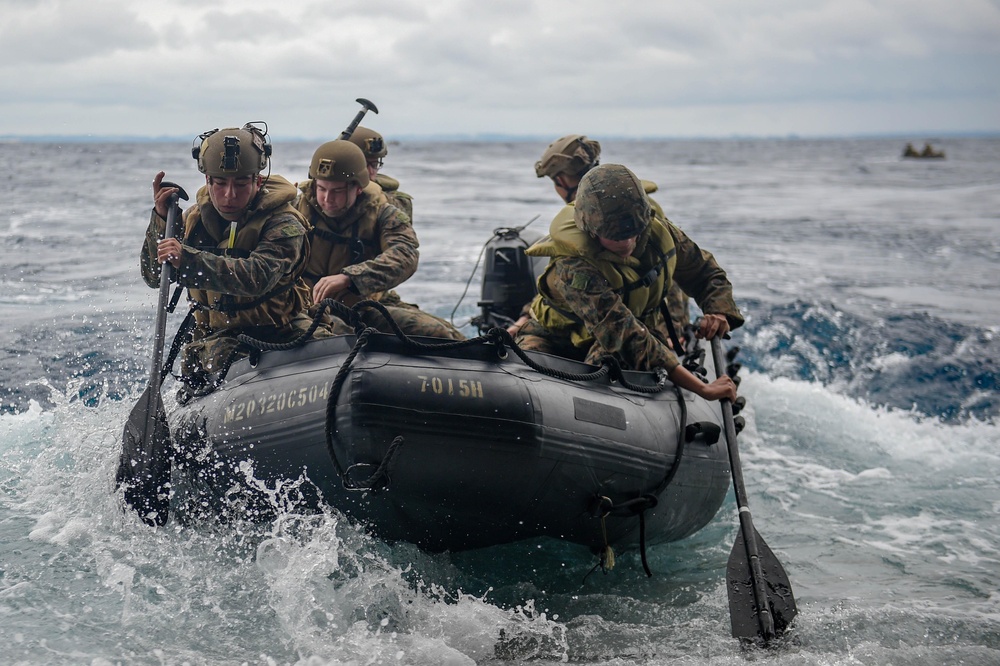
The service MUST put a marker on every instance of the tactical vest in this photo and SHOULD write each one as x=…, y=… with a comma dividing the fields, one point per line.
x=350, y=239
x=641, y=280
x=401, y=200
x=206, y=230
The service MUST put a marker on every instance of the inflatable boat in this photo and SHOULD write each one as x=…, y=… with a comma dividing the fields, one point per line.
x=455, y=448
x=456, y=445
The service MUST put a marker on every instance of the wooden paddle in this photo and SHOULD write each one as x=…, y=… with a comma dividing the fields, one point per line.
x=761, y=603
x=144, y=466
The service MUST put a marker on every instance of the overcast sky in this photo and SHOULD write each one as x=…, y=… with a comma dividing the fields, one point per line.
x=521, y=67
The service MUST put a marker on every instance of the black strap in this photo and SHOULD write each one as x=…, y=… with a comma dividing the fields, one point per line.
x=642, y=543
x=676, y=341
x=357, y=245
x=651, y=275
x=181, y=337
x=569, y=314
x=178, y=290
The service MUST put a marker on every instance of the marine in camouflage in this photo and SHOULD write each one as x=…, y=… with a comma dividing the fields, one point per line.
x=404, y=202
x=577, y=285
x=269, y=269
x=389, y=256
x=571, y=155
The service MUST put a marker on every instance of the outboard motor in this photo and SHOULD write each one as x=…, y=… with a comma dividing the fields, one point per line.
x=509, y=278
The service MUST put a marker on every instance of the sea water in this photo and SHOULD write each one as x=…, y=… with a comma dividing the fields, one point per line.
x=871, y=452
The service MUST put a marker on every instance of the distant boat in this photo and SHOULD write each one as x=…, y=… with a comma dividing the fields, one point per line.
x=927, y=152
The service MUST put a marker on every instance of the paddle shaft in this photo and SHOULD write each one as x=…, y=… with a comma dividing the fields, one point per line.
x=366, y=105
x=764, y=618
x=156, y=369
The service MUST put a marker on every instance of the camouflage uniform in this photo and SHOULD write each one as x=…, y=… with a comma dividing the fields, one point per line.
x=400, y=200
x=229, y=283
x=373, y=243
x=404, y=202
x=572, y=156
x=576, y=283
x=374, y=148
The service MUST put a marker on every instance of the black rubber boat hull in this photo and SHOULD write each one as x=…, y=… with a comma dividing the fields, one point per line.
x=492, y=451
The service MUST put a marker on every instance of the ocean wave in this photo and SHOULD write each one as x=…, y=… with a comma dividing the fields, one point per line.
x=909, y=361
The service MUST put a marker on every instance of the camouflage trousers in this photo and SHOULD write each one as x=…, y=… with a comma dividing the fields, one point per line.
x=535, y=337
x=411, y=320
x=391, y=298
x=209, y=352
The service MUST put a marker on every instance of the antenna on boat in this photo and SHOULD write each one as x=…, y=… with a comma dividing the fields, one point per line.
x=523, y=226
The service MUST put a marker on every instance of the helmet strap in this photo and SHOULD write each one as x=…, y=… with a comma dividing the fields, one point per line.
x=561, y=181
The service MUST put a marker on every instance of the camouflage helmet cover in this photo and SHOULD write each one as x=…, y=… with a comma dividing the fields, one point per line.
x=233, y=152
x=611, y=203
x=339, y=161
x=370, y=142
x=572, y=155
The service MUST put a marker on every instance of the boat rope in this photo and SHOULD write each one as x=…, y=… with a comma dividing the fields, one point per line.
x=603, y=506
x=331, y=416
x=499, y=338
x=606, y=562
x=479, y=259
x=681, y=439
x=608, y=556
x=379, y=479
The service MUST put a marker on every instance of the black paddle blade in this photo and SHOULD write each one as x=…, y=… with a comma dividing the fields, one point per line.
x=144, y=466
x=739, y=583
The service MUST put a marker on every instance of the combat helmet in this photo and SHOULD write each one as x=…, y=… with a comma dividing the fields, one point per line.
x=611, y=203
x=572, y=155
x=233, y=152
x=340, y=161
x=370, y=142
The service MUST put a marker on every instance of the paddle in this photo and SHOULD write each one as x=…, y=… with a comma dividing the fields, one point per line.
x=761, y=604
x=144, y=466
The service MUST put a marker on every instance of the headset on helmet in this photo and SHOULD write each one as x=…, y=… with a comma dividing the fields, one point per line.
x=223, y=153
x=370, y=142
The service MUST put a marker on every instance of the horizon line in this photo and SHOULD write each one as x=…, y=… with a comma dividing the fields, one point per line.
x=517, y=138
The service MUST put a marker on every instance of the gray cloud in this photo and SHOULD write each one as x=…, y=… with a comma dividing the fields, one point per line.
x=62, y=34
x=520, y=66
